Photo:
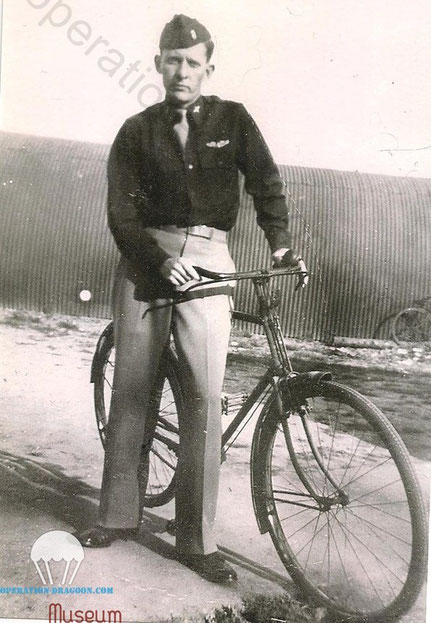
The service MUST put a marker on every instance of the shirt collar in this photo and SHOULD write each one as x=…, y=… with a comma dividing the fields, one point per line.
x=195, y=111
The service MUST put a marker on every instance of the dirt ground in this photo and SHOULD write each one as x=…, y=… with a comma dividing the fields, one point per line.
x=396, y=379
x=51, y=462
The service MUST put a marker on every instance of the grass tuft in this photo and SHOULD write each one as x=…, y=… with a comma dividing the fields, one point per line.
x=225, y=614
x=267, y=608
x=282, y=608
x=18, y=318
x=67, y=324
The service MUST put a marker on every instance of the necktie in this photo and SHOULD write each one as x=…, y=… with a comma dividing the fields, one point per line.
x=181, y=127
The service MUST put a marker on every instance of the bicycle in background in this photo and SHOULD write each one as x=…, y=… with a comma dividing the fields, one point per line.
x=412, y=325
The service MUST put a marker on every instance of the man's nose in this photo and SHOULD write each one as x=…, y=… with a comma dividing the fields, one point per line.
x=183, y=70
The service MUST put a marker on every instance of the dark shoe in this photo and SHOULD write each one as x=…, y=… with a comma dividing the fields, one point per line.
x=171, y=527
x=99, y=536
x=212, y=567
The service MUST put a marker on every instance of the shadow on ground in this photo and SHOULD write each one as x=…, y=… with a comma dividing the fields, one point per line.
x=44, y=488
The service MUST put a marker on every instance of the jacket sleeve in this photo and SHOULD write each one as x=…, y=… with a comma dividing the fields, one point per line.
x=263, y=182
x=125, y=196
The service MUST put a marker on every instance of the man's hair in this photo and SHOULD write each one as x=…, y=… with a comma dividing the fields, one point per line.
x=210, y=49
x=209, y=46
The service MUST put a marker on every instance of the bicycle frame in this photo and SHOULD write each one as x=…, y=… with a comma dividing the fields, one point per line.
x=255, y=399
x=268, y=318
x=280, y=370
x=281, y=366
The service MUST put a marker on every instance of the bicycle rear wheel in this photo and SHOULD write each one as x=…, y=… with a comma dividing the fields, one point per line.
x=334, y=486
x=412, y=326
x=166, y=405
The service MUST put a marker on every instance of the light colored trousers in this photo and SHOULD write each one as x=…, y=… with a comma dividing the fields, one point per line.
x=201, y=330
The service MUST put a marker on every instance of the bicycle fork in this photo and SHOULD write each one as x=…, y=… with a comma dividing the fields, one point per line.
x=325, y=502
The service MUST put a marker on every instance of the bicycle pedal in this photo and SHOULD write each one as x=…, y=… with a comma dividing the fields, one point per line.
x=231, y=403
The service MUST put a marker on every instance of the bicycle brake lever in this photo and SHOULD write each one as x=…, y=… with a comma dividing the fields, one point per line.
x=291, y=260
x=301, y=281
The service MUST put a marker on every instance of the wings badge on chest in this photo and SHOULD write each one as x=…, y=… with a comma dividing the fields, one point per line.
x=218, y=144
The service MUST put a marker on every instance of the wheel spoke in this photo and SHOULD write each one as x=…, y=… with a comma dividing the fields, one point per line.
x=353, y=454
x=383, y=512
x=341, y=561
x=373, y=525
x=368, y=493
x=292, y=515
x=374, y=556
x=312, y=539
x=315, y=508
x=355, y=477
x=303, y=528
x=162, y=459
x=344, y=530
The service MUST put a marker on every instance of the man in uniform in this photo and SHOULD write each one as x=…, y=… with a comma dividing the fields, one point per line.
x=173, y=195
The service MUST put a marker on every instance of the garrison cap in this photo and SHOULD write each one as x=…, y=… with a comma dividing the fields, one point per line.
x=183, y=32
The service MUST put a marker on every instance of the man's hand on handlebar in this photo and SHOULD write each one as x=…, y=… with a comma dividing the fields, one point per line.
x=179, y=270
x=288, y=257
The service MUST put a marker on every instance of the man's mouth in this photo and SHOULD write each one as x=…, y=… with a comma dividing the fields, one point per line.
x=180, y=87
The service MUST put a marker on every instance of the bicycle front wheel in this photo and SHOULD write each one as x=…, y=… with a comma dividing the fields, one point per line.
x=412, y=326
x=334, y=486
x=157, y=467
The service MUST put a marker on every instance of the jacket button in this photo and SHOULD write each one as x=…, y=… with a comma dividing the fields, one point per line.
x=190, y=166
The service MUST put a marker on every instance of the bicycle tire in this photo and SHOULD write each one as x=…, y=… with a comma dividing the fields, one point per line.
x=326, y=553
x=412, y=326
x=166, y=405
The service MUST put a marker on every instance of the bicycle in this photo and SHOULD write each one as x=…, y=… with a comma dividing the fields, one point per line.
x=412, y=325
x=332, y=482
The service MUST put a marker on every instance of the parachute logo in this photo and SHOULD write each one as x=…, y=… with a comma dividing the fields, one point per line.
x=59, y=546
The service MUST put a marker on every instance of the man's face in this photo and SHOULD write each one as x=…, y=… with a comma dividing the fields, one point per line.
x=183, y=72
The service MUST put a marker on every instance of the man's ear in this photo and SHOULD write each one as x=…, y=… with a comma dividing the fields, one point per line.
x=157, y=62
x=210, y=70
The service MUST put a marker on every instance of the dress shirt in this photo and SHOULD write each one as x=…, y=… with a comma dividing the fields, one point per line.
x=153, y=182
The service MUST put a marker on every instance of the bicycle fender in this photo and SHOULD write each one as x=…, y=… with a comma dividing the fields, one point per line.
x=309, y=378
x=295, y=386
x=105, y=335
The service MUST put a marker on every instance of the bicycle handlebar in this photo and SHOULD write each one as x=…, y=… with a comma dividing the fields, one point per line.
x=249, y=274
x=291, y=264
x=214, y=277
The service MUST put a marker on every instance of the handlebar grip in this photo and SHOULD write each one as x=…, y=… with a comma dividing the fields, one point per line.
x=203, y=272
x=290, y=259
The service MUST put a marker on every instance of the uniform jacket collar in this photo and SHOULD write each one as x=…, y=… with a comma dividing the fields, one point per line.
x=195, y=111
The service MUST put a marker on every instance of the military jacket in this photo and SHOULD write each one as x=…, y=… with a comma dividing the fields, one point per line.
x=152, y=182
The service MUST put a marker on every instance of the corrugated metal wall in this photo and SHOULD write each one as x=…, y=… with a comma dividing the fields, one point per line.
x=366, y=239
